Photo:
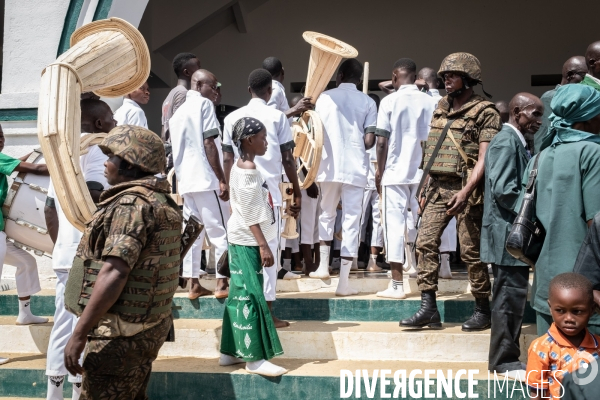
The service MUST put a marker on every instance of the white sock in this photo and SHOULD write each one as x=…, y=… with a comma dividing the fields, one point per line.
x=226, y=359
x=323, y=270
x=26, y=317
x=55, y=387
x=374, y=257
x=343, y=288
x=263, y=367
x=76, y=391
x=373, y=267
x=287, y=264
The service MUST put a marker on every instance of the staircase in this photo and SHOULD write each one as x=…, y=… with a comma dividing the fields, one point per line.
x=327, y=335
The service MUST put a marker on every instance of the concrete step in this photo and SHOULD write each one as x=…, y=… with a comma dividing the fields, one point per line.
x=302, y=306
x=325, y=340
x=192, y=378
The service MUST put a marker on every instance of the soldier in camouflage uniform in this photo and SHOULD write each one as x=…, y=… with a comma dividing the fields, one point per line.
x=455, y=188
x=125, y=272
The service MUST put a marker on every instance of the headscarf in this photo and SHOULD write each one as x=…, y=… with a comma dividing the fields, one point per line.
x=571, y=104
x=244, y=128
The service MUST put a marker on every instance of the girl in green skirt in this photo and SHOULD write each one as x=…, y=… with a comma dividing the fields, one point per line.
x=249, y=334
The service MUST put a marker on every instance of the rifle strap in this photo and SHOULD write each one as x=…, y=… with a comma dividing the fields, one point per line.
x=433, y=156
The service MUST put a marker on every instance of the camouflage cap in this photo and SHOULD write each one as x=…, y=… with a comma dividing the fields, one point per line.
x=461, y=62
x=138, y=146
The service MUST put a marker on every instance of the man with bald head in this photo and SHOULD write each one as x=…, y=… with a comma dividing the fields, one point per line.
x=198, y=160
x=573, y=71
x=505, y=162
x=592, y=60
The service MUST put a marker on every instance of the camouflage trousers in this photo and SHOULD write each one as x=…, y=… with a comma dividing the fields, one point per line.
x=433, y=222
x=119, y=368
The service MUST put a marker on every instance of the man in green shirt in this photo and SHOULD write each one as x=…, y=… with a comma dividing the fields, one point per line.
x=568, y=190
x=26, y=277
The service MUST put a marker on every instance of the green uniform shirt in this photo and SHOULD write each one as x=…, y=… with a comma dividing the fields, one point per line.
x=568, y=195
x=7, y=166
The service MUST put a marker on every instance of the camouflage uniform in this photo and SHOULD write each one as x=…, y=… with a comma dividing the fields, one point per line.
x=475, y=122
x=138, y=222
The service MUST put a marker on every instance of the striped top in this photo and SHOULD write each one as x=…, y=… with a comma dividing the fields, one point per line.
x=251, y=204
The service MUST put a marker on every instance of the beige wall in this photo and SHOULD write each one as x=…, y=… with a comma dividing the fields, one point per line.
x=513, y=39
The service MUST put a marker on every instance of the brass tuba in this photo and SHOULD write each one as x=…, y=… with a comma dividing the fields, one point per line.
x=109, y=57
x=325, y=57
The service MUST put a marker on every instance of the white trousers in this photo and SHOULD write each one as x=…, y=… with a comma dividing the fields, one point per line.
x=214, y=214
x=309, y=219
x=352, y=199
x=371, y=205
x=449, y=237
x=26, y=277
x=64, y=324
x=398, y=208
x=270, y=273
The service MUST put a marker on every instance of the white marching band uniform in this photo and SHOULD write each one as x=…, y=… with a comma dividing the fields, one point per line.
x=404, y=118
x=279, y=138
x=347, y=115
x=92, y=167
x=193, y=122
x=130, y=113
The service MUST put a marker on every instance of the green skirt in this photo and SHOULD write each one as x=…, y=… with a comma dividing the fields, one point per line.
x=248, y=329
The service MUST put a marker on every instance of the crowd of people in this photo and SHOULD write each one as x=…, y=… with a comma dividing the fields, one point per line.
x=410, y=178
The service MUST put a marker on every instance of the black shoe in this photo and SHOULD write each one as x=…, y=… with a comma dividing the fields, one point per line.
x=427, y=315
x=482, y=316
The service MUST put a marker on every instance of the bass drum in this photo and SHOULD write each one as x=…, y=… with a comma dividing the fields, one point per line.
x=23, y=209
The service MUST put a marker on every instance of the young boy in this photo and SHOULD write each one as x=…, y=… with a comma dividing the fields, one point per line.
x=249, y=333
x=568, y=345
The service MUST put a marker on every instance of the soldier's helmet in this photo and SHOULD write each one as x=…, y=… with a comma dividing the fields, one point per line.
x=464, y=63
x=138, y=146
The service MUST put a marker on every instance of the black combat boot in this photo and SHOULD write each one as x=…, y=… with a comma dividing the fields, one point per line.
x=427, y=315
x=482, y=316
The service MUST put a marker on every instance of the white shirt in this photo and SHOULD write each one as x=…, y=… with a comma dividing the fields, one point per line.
x=92, y=167
x=347, y=115
x=404, y=116
x=278, y=99
x=250, y=205
x=194, y=121
x=519, y=134
x=279, y=137
x=130, y=113
x=435, y=94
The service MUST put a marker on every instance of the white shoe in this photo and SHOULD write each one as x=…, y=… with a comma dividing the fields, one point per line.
x=336, y=263
x=226, y=359
x=445, y=271
x=343, y=287
x=411, y=271
x=265, y=368
x=289, y=276
x=373, y=267
x=4, y=360
x=390, y=293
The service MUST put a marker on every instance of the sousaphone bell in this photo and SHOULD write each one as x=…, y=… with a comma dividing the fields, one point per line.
x=325, y=57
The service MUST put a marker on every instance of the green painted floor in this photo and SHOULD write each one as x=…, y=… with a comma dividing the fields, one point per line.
x=299, y=307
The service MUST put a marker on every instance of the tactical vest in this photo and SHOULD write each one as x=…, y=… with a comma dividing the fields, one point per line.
x=152, y=282
x=448, y=160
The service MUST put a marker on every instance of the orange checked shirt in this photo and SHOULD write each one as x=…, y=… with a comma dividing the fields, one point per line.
x=552, y=356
